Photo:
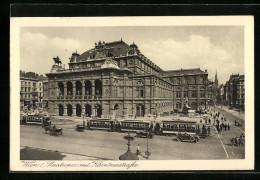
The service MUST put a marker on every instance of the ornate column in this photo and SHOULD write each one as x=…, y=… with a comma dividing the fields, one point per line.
x=83, y=88
x=56, y=89
x=82, y=108
x=65, y=110
x=93, y=109
x=73, y=109
x=56, y=109
x=65, y=88
x=74, y=89
x=93, y=88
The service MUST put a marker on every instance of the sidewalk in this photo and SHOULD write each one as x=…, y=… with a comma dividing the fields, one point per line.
x=233, y=112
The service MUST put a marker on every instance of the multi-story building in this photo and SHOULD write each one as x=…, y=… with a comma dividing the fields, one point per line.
x=191, y=84
x=220, y=94
x=117, y=79
x=31, y=92
x=234, y=91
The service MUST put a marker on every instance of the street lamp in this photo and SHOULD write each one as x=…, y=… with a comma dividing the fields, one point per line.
x=147, y=153
x=128, y=155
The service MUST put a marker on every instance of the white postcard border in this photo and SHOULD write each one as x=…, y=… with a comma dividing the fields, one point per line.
x=17, y=165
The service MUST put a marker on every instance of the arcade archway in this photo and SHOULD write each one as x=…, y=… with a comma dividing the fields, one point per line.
x=78, y=110
x=61, y=110
x=69, y=109
x=88, y=110
x=99, y=110
x=116, y=108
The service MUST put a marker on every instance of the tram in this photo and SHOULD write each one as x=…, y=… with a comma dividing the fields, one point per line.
x=178, y=126
x=102, y=124
x=135, y=125
x=35, y=119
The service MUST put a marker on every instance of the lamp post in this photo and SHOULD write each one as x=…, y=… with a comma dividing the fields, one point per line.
x=128, y=155
x=147, y=153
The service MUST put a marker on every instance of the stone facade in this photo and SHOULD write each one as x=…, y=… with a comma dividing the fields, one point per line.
x=117, y=79
x=234, y=91
x=31, y=92
x=191, y=85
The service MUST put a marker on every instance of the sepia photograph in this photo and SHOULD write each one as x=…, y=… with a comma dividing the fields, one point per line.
x=132, y=93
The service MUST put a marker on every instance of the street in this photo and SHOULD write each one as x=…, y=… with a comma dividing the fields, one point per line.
x=104, y=145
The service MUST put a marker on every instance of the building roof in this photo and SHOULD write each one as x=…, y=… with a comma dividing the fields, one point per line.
x=182, y=72
x=119, y=48
x=32, y=76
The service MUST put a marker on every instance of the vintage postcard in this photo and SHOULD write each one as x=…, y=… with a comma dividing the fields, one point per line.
x=132, y=93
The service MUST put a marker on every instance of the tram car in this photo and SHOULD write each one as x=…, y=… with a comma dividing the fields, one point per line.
x=173, y=127
x=135, y=125
x=102, y=124
x=35, y=119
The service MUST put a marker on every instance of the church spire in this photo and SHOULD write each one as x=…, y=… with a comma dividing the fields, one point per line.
x=216, y=79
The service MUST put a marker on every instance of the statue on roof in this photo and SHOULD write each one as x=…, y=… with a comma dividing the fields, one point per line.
x=57, y=60
x=57, y=65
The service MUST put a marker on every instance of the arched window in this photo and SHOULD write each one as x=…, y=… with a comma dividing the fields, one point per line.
x=69, y=88
x=61, y=88
x=78, y=88
x=88, y=86
x=69, y=109
x=88, y=110
x=78, y=110
x=98, y=88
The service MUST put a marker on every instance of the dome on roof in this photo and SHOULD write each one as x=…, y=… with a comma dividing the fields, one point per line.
x=133, y=46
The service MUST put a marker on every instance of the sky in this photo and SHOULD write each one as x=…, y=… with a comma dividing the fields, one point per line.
x=215, y=48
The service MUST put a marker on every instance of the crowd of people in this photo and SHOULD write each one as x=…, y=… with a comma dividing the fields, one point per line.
x=221, y=124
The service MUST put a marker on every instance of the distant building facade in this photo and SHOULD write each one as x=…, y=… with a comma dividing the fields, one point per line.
x=31, y=92
x=220, y=95
x=234, y=91
x=117, y=79
x=191, y=84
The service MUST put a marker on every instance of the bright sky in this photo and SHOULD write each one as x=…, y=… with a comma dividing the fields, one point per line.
x=213, y=48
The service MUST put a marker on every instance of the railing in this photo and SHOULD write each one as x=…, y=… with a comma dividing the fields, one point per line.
x=69, y=97
x=78, y=97
x=97, y=97
x=87, y=96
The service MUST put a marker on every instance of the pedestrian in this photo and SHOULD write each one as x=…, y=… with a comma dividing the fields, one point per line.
x=208, y=131
x=84, y=123
x=228, y=127
x=198, y=130
x=210, y=121
x=225, y=126
x=225, y=119
x=240, y=141
x=232, y=141
x=138, y=150
x=242, y=136
x=236, y=141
